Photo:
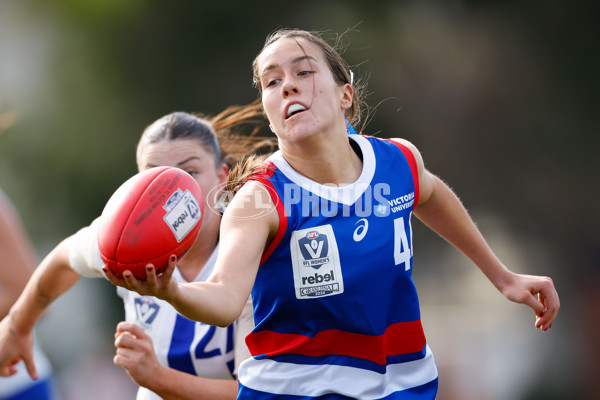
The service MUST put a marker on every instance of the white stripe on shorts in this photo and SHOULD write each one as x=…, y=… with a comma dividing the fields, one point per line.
x=314, y=380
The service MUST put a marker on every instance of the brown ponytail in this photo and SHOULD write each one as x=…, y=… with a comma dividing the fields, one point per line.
x=236, y=146
x=243, y=153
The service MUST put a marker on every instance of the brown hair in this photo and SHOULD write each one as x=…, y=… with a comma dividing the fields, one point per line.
x=221, y=135
x=235, y=145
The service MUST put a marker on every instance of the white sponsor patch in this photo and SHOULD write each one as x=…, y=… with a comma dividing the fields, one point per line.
x=316, y=263
x=183, y=213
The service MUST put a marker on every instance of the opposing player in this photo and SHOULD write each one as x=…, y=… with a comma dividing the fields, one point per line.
x=321, y=236
x=16, y=266
x=168, y=355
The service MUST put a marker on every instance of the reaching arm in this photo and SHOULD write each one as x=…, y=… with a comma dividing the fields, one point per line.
x=246, y=228
x=441, y=210
x=50, y=279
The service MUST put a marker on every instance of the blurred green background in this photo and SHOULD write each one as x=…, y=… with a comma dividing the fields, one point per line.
x=501, y=98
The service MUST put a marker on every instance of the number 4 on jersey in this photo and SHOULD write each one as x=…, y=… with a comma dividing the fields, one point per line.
x=402, y=250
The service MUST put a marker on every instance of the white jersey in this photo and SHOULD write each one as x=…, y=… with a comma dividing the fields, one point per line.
x=179, y=343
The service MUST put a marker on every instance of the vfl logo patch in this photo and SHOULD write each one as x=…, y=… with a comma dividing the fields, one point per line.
x=313, y=246
x=146, y=310
x=316, y=263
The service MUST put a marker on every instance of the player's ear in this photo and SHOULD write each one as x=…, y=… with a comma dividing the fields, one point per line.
x=347, y=93
x=222, y=173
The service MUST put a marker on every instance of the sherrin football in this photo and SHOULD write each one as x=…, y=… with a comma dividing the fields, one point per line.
x=155, y=213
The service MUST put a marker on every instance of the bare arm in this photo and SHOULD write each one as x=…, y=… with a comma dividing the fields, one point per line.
x=18, y=256
x=170, y=385
x=135, y=354
x=50, y=279
x=441, y=210
x=246, y=228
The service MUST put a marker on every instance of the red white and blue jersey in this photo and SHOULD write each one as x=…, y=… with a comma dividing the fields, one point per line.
x=185, y=345
x=335, y=306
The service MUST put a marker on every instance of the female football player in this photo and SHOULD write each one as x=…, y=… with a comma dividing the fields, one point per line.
x=168, y=355
x=320, y=235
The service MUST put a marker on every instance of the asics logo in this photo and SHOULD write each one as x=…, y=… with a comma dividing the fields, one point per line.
x=361, y=230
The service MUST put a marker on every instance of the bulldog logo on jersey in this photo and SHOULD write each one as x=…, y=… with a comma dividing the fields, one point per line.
x=146, y=310
x=316, y=263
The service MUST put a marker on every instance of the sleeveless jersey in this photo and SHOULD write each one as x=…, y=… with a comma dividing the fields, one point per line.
x=335, y=306
x=182, y=344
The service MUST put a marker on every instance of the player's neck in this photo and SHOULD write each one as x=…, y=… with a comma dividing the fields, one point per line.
x=330, y=163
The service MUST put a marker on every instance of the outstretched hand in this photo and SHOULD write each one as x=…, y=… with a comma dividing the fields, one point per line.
x=539, y=294
x=14, y=348
x=161, y=286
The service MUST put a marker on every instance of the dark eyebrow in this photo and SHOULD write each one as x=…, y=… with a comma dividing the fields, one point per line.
x=178, y=164
x=188, y=160
x=294, y=61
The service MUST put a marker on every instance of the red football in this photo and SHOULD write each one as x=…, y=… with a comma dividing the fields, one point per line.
x=155, y=213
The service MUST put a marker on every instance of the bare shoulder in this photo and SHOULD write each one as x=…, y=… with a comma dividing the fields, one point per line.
x=426, y=178
x=416, y=153
x=253, y=197
x=252, y=206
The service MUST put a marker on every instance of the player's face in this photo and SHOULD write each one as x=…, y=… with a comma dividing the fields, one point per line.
x=299, y=93
x=190, y=156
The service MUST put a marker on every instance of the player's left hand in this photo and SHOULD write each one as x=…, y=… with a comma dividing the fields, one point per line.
x=538, y=293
